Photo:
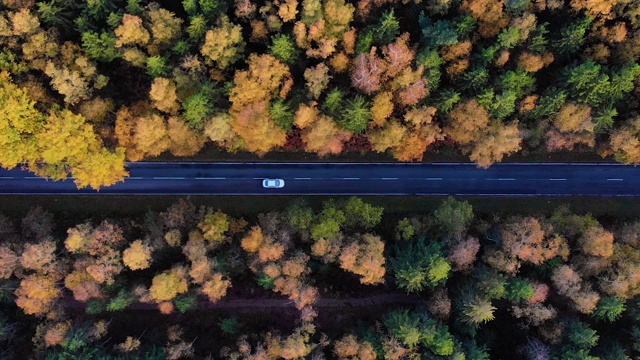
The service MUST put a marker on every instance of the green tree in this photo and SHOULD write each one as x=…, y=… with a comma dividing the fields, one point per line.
x=157, y=66
x=284, y=49
x=101, y=47
x=476, y=310
x=362, y=215
x=572, y=37
x=453, y=217
x=404, y=230
x=329, y=222
x=609, y=309
x=299, y=216
x=197, y=27
x=197, y=109
x=404, y=327
x=519, y=289
x=120, y=301
x=282, y=114
x=356, y=115
x=230, y=326
x=417, y=265
x=437, y=33
x=518, y=82
x=333, y=102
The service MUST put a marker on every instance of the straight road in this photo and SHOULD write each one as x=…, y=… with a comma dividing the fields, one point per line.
x=462, y=179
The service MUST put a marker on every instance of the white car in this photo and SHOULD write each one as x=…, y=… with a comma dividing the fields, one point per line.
x=272, y=183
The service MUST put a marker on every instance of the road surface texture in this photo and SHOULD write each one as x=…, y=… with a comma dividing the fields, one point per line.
x=462, y=179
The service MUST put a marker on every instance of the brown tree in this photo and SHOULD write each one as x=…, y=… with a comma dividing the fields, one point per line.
x=367, y=72
x=525, y=239
x=365, y=257
x=324, y=137
x=468, y=120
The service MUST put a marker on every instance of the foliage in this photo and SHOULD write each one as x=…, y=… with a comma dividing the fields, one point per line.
x=418, y=265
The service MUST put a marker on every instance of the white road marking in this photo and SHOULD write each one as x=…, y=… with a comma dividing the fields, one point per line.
x=134, y=177
x=302, y=178
x=33, y=177
x=168, y=178
x=6, y=177
x=389, y=178
x=557, y=179
x=615, y=179
x=432, y=179
x=350, y=178
x=509, y=179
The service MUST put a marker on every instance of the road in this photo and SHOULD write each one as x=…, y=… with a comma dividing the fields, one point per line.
x=463, y=179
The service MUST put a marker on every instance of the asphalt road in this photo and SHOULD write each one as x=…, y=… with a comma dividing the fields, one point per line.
x=463, y=179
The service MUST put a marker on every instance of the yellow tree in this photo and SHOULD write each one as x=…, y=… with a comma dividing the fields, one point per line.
x=168, y=285
x=214, y=225
x=223, y=44
x=101, y=168
x=218, y=129
x=164, y=96
x=165, y=28
x=150, y=137
x=131, y=32
x=216, y=287
x=66, y=137
x=499, y=140
x=19, y=122
x=137, y=256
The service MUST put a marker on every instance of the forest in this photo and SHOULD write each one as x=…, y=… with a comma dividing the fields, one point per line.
x=86, y=85
x=344, y=280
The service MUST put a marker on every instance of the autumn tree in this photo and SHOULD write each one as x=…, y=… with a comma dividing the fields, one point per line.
x=349, y=347
x=367, y=72
x=183, y=140
x=365, y=257
x=596, y=241
x=36, y=294
x=164, y=96
x=489, y=14
x=525, y=239
x=467, y=122
x=252, y=91
x=214, y=226
x=167, y=285
x=317, y=79
x=137, y=256
x=324, y=137
x=498, y=140
x=572, y=125
x=39, y=256
x=19, y=121
x=625, y=142
x=216, y=287
x=568, y=283
x=463, y=253
x=165, y=28
x=224, y=44
x=131, y=32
